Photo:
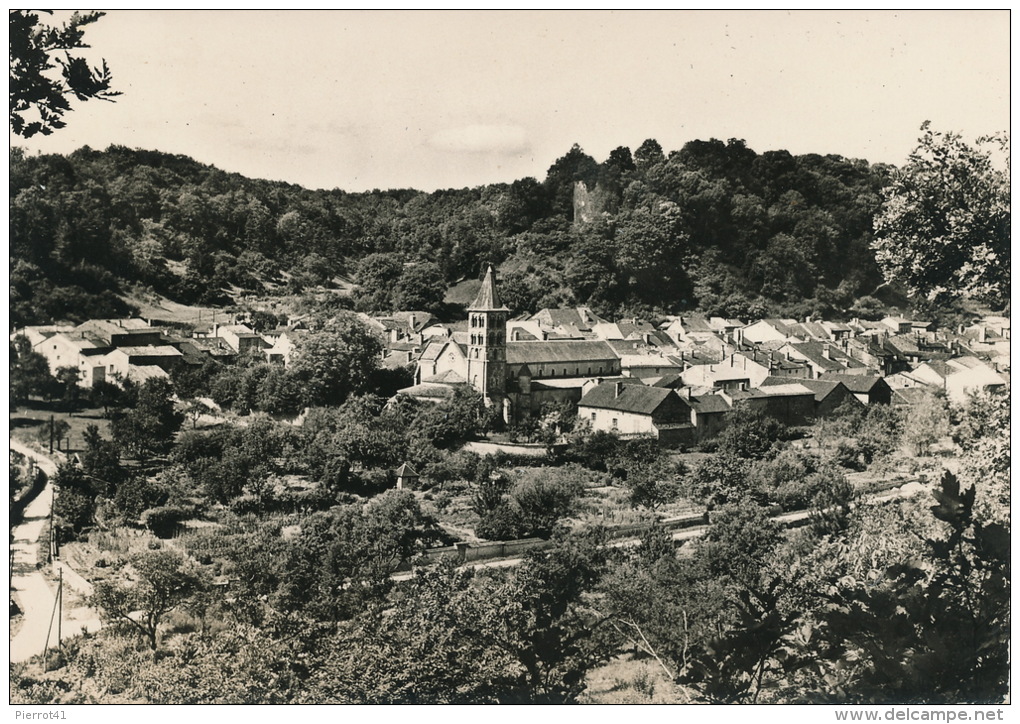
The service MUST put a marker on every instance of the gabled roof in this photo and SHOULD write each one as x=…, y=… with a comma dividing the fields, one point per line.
x=670, y=382
x=448, y=377
x=692, y=323
x=709, y=404
x=141, y=373
x=581, y=318
x=809, y=330
x=163, y=350
x=942, y=369
x=764, y=359
x=855, y=383
x=80, y=341
x=634, y=398
x=815, y=353
x=429, y=390
x=487, y=299
x=789, y=389
x=820, y=388
x=403, y=319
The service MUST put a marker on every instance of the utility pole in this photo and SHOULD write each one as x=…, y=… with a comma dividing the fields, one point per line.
x=51, y=433
x=60, y=606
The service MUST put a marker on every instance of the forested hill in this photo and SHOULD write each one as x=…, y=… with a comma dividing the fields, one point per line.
x=714, y=226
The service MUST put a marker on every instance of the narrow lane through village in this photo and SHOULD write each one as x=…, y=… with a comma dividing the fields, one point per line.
x=33, y=593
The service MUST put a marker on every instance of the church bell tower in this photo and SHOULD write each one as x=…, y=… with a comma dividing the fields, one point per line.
x=487, y=345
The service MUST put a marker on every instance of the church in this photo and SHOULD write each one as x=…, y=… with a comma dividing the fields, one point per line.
x=519, y=377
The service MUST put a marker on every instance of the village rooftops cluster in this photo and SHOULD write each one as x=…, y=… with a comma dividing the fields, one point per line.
x=674, y=378
x=690, y=370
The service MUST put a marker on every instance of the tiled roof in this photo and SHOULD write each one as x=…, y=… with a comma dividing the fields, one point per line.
x=405, y=471
x=447, y=377
x=820, y=388
x=581, y=318
x=815, y=352
x=428, y=389
x=433, y=349
x=791, y=388
x=561, y=351
x=669, y=381
x=153, y=351
x=707, y=404
x=635, y=398
x=854, y=383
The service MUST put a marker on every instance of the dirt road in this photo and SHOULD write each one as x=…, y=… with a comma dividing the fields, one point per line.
x=31, y=590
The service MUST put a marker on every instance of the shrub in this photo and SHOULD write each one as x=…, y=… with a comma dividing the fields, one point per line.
x=164, y=521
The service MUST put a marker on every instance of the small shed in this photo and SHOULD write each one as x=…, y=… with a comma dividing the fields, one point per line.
x=406, y=477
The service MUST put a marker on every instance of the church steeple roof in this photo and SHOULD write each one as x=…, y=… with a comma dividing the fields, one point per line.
x=487, y=299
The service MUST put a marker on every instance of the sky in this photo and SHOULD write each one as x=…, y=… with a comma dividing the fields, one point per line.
x=358, y=100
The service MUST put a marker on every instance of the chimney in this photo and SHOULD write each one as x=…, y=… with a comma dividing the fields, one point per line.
x=684, y=392
x=731, y=358
x=982, y=333
x=826, y=353
x=619, y=388
x=410, y=322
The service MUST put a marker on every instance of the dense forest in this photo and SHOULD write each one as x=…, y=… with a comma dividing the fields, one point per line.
x=714, y=226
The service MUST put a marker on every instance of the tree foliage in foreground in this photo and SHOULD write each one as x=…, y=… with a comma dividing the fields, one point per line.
x=35, y=50
x=944, y=226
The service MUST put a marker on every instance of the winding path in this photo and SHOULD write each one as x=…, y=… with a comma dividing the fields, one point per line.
x=30, y=589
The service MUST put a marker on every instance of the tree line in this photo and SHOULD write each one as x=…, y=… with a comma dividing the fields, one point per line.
x=714, y=226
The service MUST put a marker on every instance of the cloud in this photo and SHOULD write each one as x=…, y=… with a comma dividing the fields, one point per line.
x=503, y=139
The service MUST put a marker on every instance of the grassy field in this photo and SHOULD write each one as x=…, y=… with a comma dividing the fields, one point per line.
x=27, y=423
x=629, y=679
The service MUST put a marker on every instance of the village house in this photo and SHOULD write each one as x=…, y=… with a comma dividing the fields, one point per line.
x=823, y=357
x=632, y=409
x=708, y=413
x=120, y=332
x=71, y=349
x=733, y=373
x=578, y=321
x=38, y=333
x=790, y=403
x=829, y=395
x=282, y=350
x=959, y=377
x=119, y=362
x=868, y=389
x=766, y=330
x=687, y=329
x=240, y=337
x=870, y=351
